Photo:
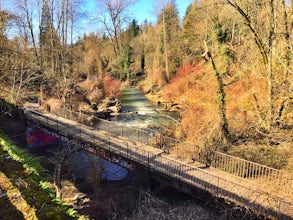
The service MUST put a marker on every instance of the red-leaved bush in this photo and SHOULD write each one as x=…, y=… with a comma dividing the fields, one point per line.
x=104, y=86
x=111, y=86
x=194, y=89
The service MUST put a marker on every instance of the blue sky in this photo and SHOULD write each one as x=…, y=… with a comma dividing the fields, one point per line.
x=141, y=10
x=146, y=9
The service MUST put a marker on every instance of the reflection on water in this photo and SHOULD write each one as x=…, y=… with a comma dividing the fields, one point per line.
x=138, y=111
x=85, y=166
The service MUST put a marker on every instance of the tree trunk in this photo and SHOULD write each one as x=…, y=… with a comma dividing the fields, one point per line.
x=286, y=84
x=266, y=53
x=30, y=26
x=57, y=180
x=166, y=47
x=221, y=95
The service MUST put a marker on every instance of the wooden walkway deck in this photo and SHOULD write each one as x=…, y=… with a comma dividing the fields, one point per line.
x=242, y=191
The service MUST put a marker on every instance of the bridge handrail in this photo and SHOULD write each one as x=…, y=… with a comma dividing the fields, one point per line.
x=210, y=182
x=228, y=163
x=185, y=172
x=152, y=137
x=247, y=169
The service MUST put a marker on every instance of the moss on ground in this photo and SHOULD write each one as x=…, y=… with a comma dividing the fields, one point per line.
x=23, y=177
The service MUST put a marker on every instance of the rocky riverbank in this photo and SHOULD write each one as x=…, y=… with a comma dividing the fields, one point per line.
x=102, y=110
x=158, y=98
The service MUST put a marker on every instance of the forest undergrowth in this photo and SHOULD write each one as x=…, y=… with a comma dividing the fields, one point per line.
x=193, y=91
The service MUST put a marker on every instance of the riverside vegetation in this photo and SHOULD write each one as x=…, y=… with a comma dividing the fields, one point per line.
x=229, y=77
x=27, y=189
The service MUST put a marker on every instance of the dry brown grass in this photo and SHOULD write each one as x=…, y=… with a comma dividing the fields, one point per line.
x=272, y=156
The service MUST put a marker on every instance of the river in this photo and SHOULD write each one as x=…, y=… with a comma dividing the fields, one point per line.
x=82, y=168
x=138, y=111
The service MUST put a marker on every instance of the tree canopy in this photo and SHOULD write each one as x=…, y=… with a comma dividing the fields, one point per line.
x=243, y=48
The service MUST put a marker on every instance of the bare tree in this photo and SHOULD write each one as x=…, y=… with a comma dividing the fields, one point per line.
x=288, y=56
x=265, y=39
x=115, y=19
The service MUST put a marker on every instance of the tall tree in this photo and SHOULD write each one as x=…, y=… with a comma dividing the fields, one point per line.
x=124, y=61
x=169, y=22
x=288, y=51
x=215, y=40
x=193, y=32
x=115, y=19
x=265, y=35
x=49, y=40
x=26, y=16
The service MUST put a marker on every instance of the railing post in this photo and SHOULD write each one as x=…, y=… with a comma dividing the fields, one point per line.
x=218, y=186
x=127, y=149
x=109, y=145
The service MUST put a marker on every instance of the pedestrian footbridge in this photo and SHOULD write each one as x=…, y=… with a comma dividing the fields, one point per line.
x=228, y=177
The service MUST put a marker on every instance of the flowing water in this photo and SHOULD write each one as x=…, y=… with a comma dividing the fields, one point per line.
x=138, y=111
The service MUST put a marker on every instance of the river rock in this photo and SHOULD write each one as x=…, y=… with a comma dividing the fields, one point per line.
x=112, y=106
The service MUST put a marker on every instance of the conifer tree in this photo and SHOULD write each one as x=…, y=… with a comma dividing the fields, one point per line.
x=170, y=35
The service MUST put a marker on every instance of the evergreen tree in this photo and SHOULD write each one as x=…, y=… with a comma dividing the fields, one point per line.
x=49, y=42
x=170, y=35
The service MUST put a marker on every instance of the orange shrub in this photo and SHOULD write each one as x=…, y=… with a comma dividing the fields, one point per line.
x=104, y=86
x=194, y=88
x=111, y=86
x=246, y=102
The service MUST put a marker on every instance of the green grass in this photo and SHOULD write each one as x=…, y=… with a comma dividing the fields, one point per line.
x=32, y=184
x=20, y=155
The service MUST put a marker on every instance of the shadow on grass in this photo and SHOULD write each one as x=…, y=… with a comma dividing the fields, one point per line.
x=26, y=176
x=8, y=210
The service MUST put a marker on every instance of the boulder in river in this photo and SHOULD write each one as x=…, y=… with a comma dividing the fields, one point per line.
x=112, y=106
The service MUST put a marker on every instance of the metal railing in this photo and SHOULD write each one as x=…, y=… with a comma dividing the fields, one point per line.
x=247, y=169
x=234, y=165
x=255, y=199
x=149, y=137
